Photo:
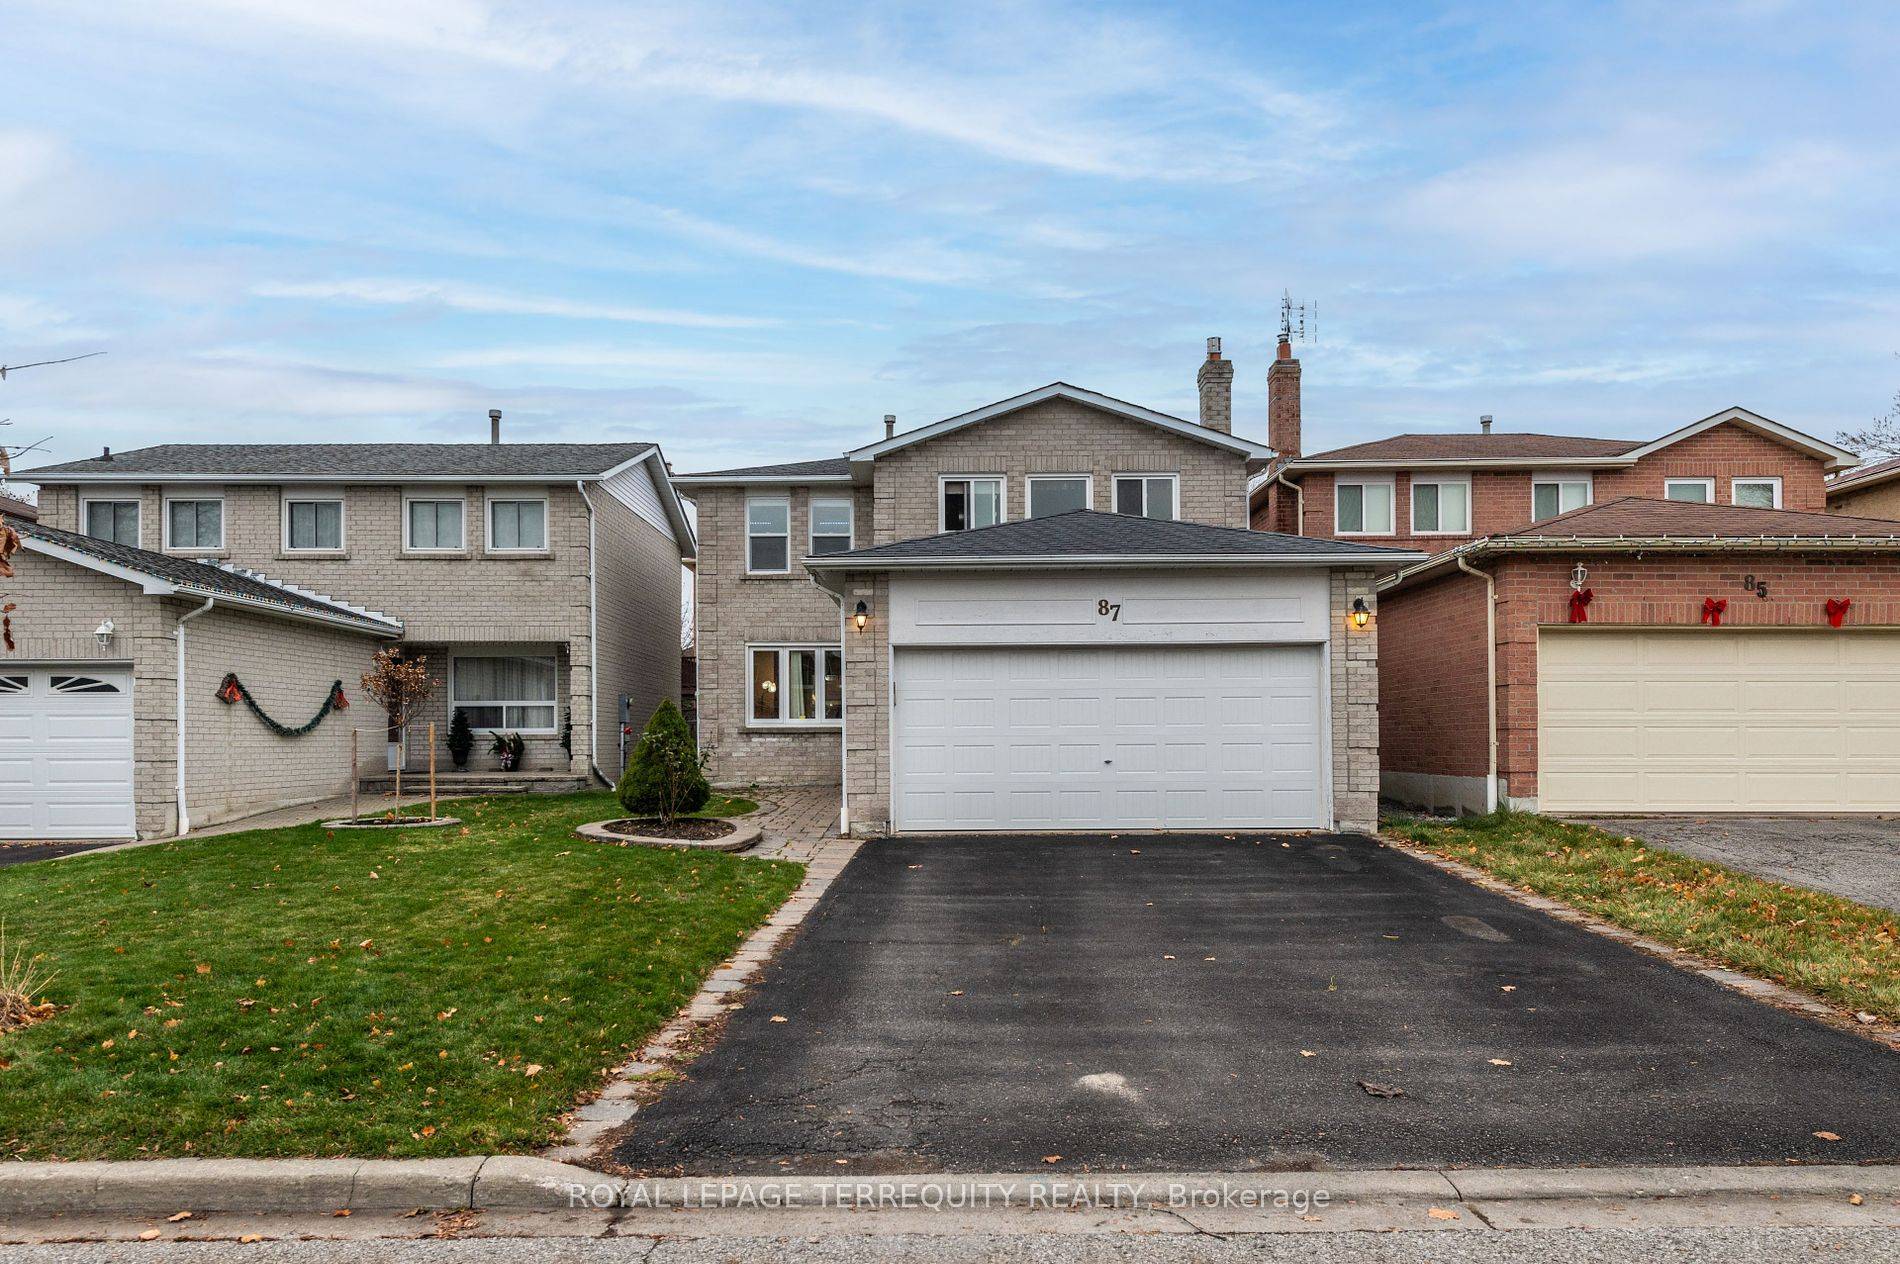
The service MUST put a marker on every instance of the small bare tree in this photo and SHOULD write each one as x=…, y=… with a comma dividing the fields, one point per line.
x=1882, y=438
x=401, y=685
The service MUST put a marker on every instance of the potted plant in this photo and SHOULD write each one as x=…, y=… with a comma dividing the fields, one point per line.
x=461, y=739
x=508, y=748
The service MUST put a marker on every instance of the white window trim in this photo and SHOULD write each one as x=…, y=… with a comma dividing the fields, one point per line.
x=138, y=518
x=430, y=498
x=781, y=649
x=555, y=702
x=491, y=498
x=1029, y=489
x=1707, y=484
x=1002, y=496
x=1411, y=502
x=786, y=569
x=1561, y=477
x=316, y=496
x=165, y=522
x=1115, y=491
x=811, y=524
x=1773, y=480
x=1366, y=481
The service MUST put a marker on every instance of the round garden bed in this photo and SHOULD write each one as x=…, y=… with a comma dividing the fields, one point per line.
x=697, y=833
x=392, y=822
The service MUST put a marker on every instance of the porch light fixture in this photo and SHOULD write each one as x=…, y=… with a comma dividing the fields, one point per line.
x=1579, y=576
x=1360, y=614
x=862, y=615
x=103, y=634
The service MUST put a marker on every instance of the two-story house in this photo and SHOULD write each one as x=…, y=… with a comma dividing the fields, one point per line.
x=1609, y=625
x=541, y=582
x=1047, y=613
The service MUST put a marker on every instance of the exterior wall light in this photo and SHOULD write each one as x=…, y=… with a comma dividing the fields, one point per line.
x=103, y=634
x=1360, y=614
x=862, y=615
x=1579, y=577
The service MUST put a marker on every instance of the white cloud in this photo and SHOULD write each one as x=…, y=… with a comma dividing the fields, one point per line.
x=468, y=298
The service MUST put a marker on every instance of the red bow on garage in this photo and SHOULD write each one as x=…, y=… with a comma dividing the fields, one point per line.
x=1837, y=610
x=1580, y=604
x=1712, y=609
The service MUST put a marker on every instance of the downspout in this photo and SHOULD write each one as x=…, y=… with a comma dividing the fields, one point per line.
x=178, y=632
x=1299, y=501
x=593, y=645
x=1490, y=676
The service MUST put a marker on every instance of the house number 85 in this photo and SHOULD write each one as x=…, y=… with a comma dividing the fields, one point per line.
x=1110, y=610
x=1757, y=586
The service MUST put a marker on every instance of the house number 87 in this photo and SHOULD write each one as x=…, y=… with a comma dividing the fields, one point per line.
x=1110, y=610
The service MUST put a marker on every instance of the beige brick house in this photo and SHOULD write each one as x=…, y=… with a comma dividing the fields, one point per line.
x=1047, y=613
x=542, y=583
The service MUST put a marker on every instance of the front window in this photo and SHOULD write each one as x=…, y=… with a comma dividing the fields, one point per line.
x=1441, y=508
x=433, y=525
x=1756, y=493
x=1055, y=495
x=1363, y=509
x=1699, y=491
x=194, y=524
x=1552, y=496
x=797, y=684
x=115, y=521
x=510, y=694
x=1145, y=495
x=830, y=526
x=768, y=537
x=969, y=503
x=517, y=526
x=313, y=524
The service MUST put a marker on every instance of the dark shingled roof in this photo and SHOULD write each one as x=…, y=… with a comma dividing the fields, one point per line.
x=205, y=578
x=1863, y=473
x=1092, y=533
x=796, y=469
x=1504, y=445
x=1644, y=516
x=357, y=460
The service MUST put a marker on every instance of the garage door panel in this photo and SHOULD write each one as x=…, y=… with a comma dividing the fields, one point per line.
x=1716, y=720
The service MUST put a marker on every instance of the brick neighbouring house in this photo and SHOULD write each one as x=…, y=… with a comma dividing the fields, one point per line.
x=1868, y=491
x=1649, y=705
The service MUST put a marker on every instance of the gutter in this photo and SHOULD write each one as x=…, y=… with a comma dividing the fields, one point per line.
x=178, y=632
x=593, y=642
x=1490, y=678
x=1299, y=501
x=1488, y=545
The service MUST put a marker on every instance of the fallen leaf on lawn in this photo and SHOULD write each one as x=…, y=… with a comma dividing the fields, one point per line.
x=175, y=1217
x=374, y=874
x=445, y=1015
x=1500, y=1062
x=1441, y=1213
x=532, y=1069
x=202, y=968
x=1828, y=1136
x=780, y=1018
x=1052, y=1158
x=428, y=1130
x=1855, y=1199
x=150, y=1235
x=1381, y=1090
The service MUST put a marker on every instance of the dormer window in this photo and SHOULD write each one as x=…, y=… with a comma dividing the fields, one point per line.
x=966, y=503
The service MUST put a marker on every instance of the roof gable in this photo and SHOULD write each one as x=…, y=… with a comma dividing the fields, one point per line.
x=349, y=462
x=1832, y=457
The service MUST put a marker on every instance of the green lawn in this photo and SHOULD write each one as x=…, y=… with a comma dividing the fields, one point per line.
x=1834, y=948
x=727, y=805
x=297, y=992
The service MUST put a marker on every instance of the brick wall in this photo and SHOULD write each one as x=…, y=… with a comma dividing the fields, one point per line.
x=1355, y=706
x=1432, y=670
x=1881, y=501
x=639, y=585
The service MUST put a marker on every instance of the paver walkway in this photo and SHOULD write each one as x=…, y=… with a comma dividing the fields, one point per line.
x=796, y=820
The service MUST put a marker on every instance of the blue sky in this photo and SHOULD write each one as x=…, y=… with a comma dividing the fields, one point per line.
x=749, y=231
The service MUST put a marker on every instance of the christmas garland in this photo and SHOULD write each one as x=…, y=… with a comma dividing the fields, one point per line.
x=233, y=690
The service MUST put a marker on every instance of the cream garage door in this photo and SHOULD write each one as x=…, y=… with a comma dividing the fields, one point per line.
x=1718, y=720
x=65, y=752
x=1103, y=738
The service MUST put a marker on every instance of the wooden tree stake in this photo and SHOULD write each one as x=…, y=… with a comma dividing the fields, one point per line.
x=355, y=772
x=431, y=769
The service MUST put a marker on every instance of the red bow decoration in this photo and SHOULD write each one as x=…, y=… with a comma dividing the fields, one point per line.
x=1579, y=604
x=1837, y=610
x=1712, y=609
x=230, y=691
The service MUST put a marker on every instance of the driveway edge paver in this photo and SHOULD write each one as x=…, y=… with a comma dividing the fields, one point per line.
x=1765, y=990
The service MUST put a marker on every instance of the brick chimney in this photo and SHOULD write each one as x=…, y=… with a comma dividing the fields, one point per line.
x=1216, y=380
x=1283, y=402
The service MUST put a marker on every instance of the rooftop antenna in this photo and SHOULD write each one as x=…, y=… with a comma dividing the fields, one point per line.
x=15, y=368
x=1299, y=322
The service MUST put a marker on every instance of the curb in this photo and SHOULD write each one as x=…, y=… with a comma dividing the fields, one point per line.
x=521, y=1183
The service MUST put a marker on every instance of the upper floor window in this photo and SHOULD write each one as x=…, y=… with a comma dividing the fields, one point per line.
x=1441, y=506
x=194, y=523
x=431, y=526
x=1552, y=494
x=1755, y=493
x=313, y=523
x=115, y=521
x=1059, y=493
x=768, y=537
x=967, y=503
x=1700, y=491
x=1146, y=495
x=518, y=526
x=830, y=526
x=1362, y=508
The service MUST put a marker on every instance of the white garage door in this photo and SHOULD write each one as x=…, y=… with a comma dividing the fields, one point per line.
x=1177, y=737
x=1718, y=720
x=65, y=752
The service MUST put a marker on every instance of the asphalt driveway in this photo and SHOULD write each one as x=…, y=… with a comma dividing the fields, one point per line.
x=22, y=852
x=1853, y=856
x=1203, y=1003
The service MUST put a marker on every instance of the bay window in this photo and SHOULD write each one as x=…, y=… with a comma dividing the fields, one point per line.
x=796, y=684
x=509, y=693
